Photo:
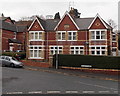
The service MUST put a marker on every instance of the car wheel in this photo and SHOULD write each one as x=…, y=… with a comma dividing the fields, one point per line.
x=12, y=65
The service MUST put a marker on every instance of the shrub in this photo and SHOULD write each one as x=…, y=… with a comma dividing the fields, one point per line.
x=22, y=55
x=104, y=62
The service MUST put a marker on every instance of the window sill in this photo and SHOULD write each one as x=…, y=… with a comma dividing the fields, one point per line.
x=98, y=39
x=71, y=40
x=36, y=40
x=61, y=40
x=35, y=58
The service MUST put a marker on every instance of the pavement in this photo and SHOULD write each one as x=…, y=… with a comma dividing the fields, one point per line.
x=76, y=73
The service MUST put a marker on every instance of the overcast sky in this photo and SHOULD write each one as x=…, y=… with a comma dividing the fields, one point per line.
x=107, y=9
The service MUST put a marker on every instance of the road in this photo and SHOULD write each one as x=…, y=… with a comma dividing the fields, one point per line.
x=25, y=81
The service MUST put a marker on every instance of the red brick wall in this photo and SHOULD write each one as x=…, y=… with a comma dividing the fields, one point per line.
x=8, y=20
x=36, y=27
x=5, y=36
x=67, y=20
x=99, y=26
x=83, y=35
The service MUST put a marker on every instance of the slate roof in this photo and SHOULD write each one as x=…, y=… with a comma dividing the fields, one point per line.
x=83, y=23
x=14, y=41
x=51, y=23
x=21, y=28
x=7, y=26
x=23, y=23
x=48, y=24
x=13, y=27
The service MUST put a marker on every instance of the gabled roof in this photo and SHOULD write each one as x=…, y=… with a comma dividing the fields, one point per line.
x=98, y=16
x=67, y=13
x=40, y=21
x=7, y=26
x=4, y=18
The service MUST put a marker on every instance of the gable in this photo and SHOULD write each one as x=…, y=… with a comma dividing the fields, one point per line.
x=66, y=23
x=35, y=26
x=97, y=24
x=8, y=20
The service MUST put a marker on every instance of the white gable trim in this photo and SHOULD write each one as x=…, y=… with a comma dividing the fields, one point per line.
x=34, y=22
x=100, y=20
x=66, y=13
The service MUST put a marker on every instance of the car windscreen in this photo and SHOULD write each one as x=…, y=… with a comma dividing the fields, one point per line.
x=14, y=59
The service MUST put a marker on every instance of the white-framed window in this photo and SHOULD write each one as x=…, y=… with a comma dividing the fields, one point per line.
x=61, y=35
x=77, y=50
x=98, y=49
x=36, y=51
x=36, y=35
x=98, y=34
x=72, y=35
x=56, y=50
x=113, y=38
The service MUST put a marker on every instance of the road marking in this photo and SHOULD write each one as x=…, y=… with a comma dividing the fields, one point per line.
x=35, y=92
x=71, y=91
x=49, y=92
x=90, y=92
x=97, y=86
x=14, y=93
x=103, y=92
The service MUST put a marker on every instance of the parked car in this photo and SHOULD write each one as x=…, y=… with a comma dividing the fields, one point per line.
x=10, y=61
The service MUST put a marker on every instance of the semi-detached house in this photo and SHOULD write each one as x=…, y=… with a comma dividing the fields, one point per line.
x=69, y=35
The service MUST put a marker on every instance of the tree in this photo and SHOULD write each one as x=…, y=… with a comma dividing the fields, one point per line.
x=57, y=16
x=112, y=23
x=31, y=17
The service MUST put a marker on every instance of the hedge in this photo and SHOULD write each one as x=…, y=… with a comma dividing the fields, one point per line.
x=22, y=55
x=102, y=62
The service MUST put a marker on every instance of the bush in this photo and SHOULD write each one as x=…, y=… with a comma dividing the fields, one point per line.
x=22, y=55
x=104, y=62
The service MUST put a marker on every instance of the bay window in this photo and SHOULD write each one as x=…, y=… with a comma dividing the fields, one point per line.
x=77, y=50
x=98, y=49
x=35, y=35
x=36, y=51
x=98, y=34
x=56, y=50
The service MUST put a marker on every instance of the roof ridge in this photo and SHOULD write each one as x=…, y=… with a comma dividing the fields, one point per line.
x=87, y=18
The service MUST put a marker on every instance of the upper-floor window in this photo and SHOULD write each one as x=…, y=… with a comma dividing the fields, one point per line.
x=61, y=35
x=72, y=35
x=15, y=35
x=98, y=34
x=113, y=37
x=35, y=35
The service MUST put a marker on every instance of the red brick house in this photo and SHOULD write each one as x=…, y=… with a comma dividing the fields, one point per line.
x=69, y=35
x=12, y=36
